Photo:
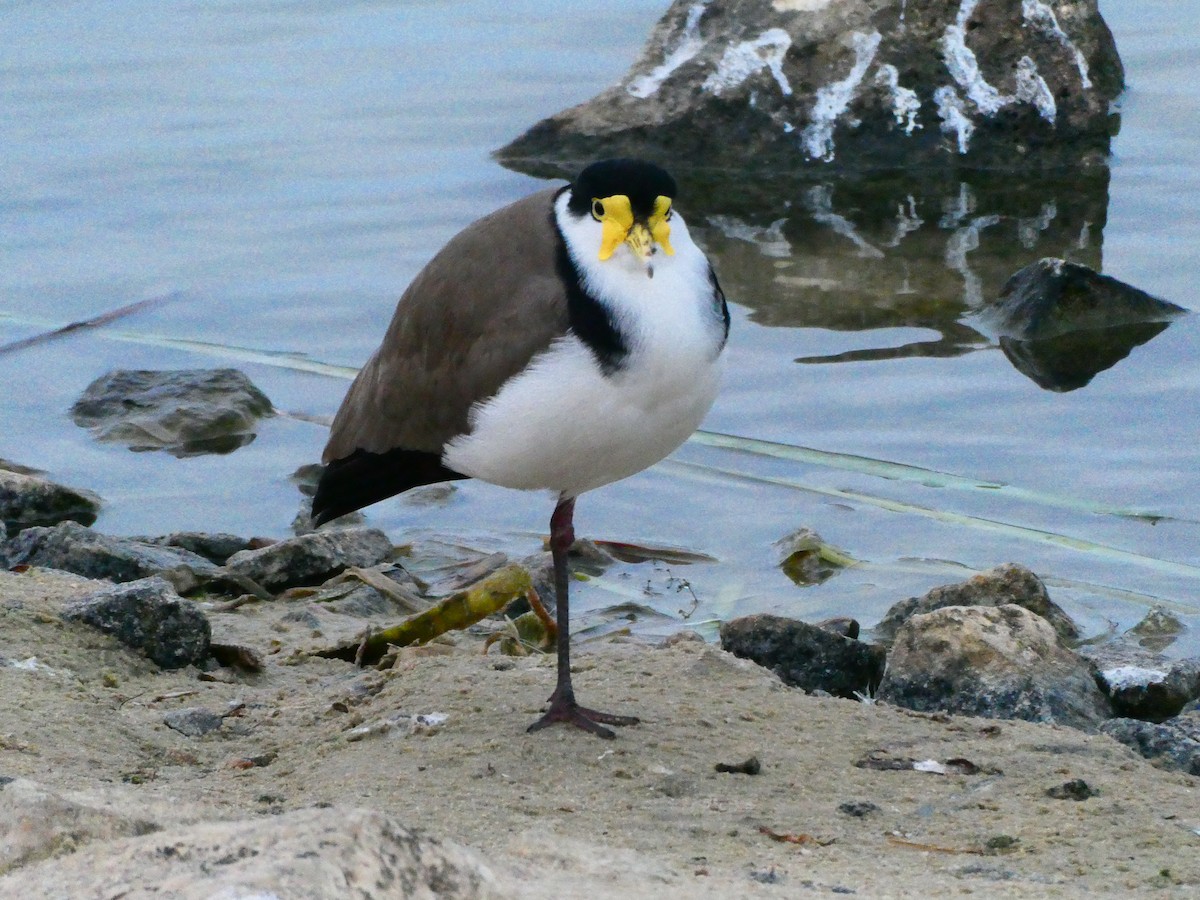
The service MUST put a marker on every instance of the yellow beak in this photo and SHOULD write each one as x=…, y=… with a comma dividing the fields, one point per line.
x=640, y=241
x=619, y=228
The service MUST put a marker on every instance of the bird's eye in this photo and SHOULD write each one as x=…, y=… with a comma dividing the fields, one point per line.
x=597, y=210
x=667, y=217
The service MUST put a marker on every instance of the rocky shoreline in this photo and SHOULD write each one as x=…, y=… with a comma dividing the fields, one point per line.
x=164, y=696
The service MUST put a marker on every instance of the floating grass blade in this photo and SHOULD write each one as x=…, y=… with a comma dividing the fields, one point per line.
x=1022, y=532
x=96, y=321
x=297, y=362
x=625, y=552
x=280, y=359
x=903, y=472
x=1122, y=595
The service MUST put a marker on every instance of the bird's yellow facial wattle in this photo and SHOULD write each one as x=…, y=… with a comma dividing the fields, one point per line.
x=615, y=214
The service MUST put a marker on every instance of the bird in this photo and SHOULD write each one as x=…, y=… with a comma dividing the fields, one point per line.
x=564, y=342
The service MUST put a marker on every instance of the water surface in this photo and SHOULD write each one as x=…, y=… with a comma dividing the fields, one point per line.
x=282, y=170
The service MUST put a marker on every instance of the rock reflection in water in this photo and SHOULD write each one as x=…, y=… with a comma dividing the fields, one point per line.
x=892, y=250
x=1069, y=361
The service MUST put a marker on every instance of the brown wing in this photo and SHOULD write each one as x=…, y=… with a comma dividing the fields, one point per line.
x=474, y=317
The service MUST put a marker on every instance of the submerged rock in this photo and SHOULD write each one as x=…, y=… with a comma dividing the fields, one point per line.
x=1002, y=663
x=1052, y=297
x=148, y=615
x=1060, y=323
x=186, y=412
x=1157, y=630
x=806, y=559
x=1008, y=583
x=853, y=84
x=311, y=558
x=71, y=547
x=27, y=499
x=806, y=656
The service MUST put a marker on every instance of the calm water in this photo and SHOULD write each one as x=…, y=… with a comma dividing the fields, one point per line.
x=283, y=170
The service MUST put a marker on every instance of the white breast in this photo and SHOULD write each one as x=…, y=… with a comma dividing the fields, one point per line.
x=564, y=425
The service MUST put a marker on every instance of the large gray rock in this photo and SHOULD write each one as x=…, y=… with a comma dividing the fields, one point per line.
x=71, y=547
x=1001, y=663
x=1009, y=583
x=854, y=84
x=148, y=615
x=805, y=656
x=310, y=854
x=186, y=412
x=311, y=558
x=27, y=499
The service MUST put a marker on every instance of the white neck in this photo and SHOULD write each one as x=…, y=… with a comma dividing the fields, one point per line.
x=669, y=297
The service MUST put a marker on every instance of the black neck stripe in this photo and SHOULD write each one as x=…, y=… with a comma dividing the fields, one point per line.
x=590, y=320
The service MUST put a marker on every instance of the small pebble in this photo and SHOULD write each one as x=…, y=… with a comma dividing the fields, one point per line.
x=750, y=767
x=1076, y=789
x=194, y=721
x=858, y=808
x=681, y=637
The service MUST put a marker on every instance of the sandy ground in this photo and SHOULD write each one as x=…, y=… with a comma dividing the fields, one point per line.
x=564, y=814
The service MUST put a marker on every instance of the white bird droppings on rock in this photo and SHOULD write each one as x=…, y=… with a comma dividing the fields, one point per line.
x=905, y=102
x=1032, y=89
x=1131, y=676
x=964, y=67
x=690, y=43
x=955, y=119
x=746, y=59
x=834, y=99
x=1034, y=12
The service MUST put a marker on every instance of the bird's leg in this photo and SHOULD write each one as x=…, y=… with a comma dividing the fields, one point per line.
x=563, y=707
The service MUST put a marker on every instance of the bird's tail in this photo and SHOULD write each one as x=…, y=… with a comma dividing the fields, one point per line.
x=363, y=478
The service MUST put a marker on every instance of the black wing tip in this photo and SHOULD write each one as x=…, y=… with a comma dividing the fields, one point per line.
x=363, y=478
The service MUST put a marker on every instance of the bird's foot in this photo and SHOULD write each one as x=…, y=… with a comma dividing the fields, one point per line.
x=563, y=708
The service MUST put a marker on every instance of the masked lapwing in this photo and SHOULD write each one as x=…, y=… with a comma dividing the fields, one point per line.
x=562, y=343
